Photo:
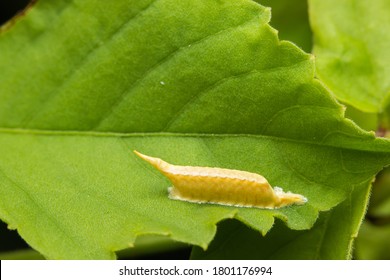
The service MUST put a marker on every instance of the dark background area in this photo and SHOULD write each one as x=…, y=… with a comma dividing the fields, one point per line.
x=9, y=8
x=10, y=239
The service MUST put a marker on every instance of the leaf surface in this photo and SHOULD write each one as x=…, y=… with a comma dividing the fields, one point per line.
x=352, y=46
x=203, y=83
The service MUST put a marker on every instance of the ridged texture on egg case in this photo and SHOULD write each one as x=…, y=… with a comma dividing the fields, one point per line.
x=222, y=186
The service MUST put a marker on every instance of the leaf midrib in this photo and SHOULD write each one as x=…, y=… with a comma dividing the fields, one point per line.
x=384, y=143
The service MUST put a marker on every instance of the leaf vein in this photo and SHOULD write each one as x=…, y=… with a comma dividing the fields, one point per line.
x=54, y=221
x=159, y=64
x=51, y=96
x=220, y=82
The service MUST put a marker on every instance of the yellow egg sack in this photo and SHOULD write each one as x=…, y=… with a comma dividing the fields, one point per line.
x=222, y=186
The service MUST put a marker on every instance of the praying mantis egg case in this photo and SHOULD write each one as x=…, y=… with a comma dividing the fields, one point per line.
x=222, y=186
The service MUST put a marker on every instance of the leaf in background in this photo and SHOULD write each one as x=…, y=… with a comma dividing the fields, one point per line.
x=193, y=82
x=380, y=197
x=352, y=47
x=291, y=19
x=367, y=121
x=373, y=240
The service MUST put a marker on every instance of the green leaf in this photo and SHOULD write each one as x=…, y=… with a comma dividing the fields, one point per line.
x=373, y=240
x=352, y=47
x=380, y=197
x=202, y=82
x=331, y=237
x=367, y=121
x=291, y=19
